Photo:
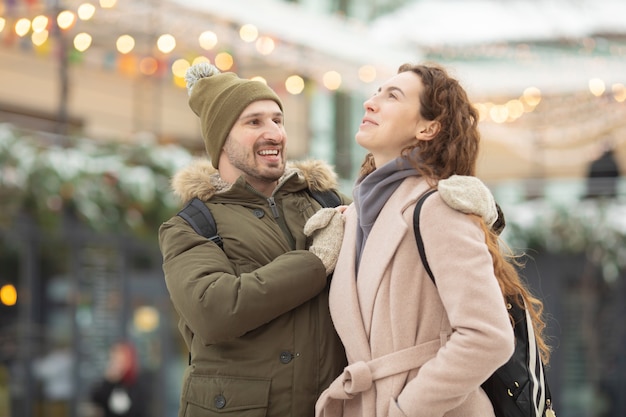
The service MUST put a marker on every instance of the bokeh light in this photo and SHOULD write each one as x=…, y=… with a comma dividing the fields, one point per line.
x=148, y=66
x=8, y=295
x=82, y=41
x=367, y=73
x=248, y=33
x=332, y=80
x=86, y=11
x=39, y=38
x=294, y=84
x=108, y=4
x=22, y=27
x=532, y=96
x=265, y=45
x=207, y=40
x=179, y=67
x=40, y=23
x=224, y=61
x=66, y=19
x=597, y=87
x=125, y=44
x=166, y=43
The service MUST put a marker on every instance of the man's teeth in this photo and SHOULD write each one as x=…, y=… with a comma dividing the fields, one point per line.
x=274, y=152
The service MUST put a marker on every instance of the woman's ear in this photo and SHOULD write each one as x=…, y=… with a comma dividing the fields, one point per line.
x=428, y=130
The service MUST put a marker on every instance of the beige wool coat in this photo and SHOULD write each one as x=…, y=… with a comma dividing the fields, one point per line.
x=414, y=349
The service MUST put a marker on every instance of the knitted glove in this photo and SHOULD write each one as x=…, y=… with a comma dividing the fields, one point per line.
x=469, y=195
x=326, y=230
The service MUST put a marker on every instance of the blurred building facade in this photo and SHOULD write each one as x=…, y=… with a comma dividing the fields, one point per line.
x=553, y=119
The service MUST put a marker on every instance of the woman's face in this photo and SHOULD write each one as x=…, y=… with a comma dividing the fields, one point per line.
x=392, y=118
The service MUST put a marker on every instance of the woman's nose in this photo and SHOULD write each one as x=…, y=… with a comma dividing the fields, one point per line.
x=369, y=104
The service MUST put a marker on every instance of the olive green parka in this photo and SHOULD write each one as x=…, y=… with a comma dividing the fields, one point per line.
x=254, y=315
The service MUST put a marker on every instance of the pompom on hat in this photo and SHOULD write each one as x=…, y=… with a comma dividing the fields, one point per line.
x=218, y=99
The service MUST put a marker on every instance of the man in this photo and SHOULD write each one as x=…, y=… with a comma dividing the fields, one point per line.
x=254, y=314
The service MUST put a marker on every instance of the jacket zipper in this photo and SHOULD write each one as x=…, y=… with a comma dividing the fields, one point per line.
x=281, y=223
x=276, y=214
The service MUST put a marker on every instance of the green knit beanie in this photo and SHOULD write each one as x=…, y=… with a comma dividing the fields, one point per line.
x=218, y=99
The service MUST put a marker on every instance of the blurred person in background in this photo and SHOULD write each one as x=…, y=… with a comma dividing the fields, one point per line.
x=123, y=391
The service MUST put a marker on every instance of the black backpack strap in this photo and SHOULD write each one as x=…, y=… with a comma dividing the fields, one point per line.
x=418, y=236
x=328, y=198
x=199, y=217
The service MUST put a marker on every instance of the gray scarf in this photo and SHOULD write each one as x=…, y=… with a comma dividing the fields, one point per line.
x=372, y=192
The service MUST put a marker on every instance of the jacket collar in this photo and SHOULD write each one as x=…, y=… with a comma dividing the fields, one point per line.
x=200, y=179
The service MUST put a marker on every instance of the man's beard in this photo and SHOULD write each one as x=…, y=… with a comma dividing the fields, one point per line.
x=239, y=159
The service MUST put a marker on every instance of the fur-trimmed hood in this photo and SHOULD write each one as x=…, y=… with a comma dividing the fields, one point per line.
x=200, y=179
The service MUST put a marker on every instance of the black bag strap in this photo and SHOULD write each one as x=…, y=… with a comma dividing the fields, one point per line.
x=328, y=198
x=200, y=218
x=418, y=235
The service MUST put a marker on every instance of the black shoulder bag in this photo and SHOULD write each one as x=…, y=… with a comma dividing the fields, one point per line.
x=519, y=388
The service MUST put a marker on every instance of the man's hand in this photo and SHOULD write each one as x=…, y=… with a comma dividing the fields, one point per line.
x=326, y=230
x=469, y=195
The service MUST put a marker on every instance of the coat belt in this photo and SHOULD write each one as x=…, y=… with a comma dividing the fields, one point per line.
x=359, y=376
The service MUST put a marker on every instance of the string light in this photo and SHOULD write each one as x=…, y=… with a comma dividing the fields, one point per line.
x=265, y=45
x=39, y=38
x=200, y=59
x=148, y=66
x=108, y=4
x=367, y=73
x=179, y=67
x=166, y=43
x=515, y=109
x=125, y=44
x=619, y=92
x=596, y=86
x=259, y=79
x=82, y=41
x=40, y=23
x=224, y=61
x=66, y=19
x=248, y=33
x=331, y=80
x=207, y=40
x=86, y=11
x=532, y=97
x=508, y=111
x=294, y=84
x=22, y=27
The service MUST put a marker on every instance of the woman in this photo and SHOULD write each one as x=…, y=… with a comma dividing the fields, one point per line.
x=416, y=349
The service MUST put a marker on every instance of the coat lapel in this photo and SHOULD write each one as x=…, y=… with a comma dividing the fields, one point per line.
x=352, y=300
x=344, y=303
x=381, y=246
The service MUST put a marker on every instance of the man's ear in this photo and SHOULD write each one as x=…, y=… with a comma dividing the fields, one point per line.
x=428, y=130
